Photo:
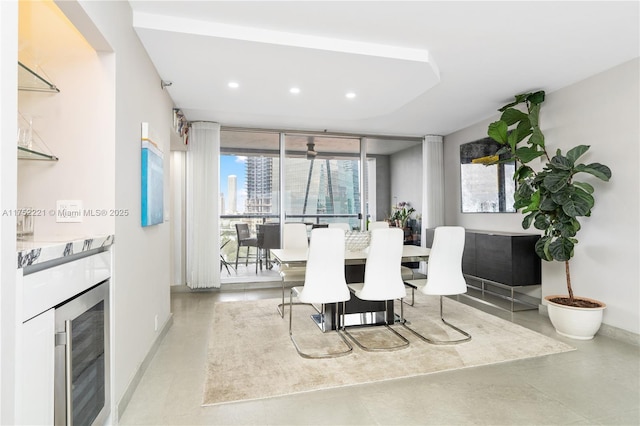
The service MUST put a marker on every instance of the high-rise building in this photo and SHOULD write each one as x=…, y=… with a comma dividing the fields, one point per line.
x=322, y=186
x=319, y=186
x=232, y=186
x=260, y=185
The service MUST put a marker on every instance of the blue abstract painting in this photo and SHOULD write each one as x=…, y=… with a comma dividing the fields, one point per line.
x=152, y=184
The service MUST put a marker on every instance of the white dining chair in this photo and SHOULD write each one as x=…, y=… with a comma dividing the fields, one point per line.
x=340, y=225
x=378, y=225
x=294, y=237
x=407, y=273
x=382, y=281
x=324, y=283
x=444, y=275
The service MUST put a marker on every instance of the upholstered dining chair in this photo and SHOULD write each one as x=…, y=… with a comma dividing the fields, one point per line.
x=294, y=237
x=324, y=283
x=340, y=225
x=444, y=275
x=382, y=280
x=407, y=273
x=245, y=239
x=378, y=224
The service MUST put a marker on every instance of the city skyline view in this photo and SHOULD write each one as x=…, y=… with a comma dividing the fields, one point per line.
x=323, y=186
x=233, y=165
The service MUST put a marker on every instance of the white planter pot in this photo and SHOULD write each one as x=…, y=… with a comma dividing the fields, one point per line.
x=576, y=323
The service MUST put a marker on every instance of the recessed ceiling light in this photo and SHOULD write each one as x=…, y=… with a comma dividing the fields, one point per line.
x=350, y=95
x=233, y=84
x=294, y=90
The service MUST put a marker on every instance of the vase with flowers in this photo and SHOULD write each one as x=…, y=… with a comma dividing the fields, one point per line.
x=401, y=214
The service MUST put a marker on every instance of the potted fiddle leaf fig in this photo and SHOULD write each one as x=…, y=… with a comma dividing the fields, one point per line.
x=553, y=201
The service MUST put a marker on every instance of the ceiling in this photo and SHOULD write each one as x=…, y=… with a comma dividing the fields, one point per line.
x=416, y=68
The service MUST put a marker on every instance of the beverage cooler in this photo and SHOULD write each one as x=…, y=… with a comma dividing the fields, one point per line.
x=82, y=358
x=64, y=365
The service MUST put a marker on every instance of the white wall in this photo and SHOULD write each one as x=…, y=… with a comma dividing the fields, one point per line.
x=141, y=259
x=8, y=167
x=76, y=125
x=383, y=187
x=602, y=111
x=406, y=178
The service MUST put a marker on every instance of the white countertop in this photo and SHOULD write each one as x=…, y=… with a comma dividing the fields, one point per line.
x=31, y=252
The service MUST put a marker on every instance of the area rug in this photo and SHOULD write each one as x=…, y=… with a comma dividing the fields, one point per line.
x=250, y=355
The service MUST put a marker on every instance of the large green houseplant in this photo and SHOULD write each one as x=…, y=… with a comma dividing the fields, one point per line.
x=551, y=197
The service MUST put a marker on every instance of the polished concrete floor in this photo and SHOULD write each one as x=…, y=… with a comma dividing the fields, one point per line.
x=597, y=384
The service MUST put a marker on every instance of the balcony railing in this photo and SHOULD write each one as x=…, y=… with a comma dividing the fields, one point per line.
x=309, y=219
x=228, y=239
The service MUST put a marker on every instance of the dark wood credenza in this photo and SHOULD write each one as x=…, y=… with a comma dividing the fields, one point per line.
x=500, y=265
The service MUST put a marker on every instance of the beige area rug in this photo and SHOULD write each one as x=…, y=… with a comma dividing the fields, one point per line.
x=251, y=356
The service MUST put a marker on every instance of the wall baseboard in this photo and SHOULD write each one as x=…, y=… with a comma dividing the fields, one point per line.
x=620, y=334
x=133, y=384
x=606, y=330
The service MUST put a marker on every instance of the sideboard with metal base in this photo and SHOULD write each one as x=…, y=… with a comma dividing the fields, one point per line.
x=501, y=268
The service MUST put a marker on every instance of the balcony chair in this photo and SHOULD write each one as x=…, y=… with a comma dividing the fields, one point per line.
x=444, y=275
x=223, y=260
x=246, y=240
x=324, y=283
x=382, y=280
x=294, y=237
x=268, y=235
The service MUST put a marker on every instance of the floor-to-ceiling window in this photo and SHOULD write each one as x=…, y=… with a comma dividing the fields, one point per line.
x=323, y=178
x=249, y=188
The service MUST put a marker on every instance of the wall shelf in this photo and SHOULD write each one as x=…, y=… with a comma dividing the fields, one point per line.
x=30, y=144
x=29, y=80
x=32, y=147
x=30, y=154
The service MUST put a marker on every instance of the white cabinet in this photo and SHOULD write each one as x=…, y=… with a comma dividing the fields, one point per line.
x=43, y=293
x=37, y=373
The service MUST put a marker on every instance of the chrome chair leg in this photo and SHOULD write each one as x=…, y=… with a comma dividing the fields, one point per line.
x=466, y=335
x=403, y=345
x=323, y=355
x=413, y=295
x=412, y=290
x=281, y=305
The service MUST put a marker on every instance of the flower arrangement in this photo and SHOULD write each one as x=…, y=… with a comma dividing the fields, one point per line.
x=401, y=214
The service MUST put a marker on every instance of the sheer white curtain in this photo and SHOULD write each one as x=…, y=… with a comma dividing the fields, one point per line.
x=203, y=230
x=433, y=188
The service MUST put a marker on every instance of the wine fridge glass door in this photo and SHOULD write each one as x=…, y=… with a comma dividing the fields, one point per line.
x=82, y=359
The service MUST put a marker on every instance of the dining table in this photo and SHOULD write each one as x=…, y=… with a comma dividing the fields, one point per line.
x=357, y=311
x=410, y=253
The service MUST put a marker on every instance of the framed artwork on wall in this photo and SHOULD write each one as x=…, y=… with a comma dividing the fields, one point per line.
x=152, y=195
x=486, y=187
